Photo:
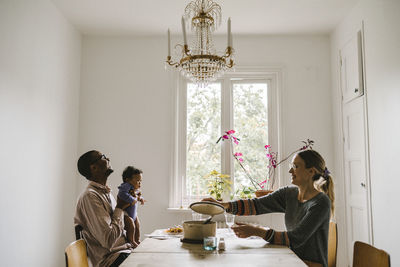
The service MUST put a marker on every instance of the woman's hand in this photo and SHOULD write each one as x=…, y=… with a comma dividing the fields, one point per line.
x=210, y=199
x=244, y=230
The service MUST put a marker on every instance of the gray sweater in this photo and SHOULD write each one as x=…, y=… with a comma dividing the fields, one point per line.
x=307, y=223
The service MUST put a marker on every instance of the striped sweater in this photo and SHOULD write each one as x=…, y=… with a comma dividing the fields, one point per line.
x=307, y=223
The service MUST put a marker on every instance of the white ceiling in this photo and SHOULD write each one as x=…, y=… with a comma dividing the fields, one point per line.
x=154, y=17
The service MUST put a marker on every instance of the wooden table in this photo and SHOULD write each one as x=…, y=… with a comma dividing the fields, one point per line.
x=239, y=252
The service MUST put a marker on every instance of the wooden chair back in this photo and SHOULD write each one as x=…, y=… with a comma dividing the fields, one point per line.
x=332, y=244
x=367, y=255
x=76, y=255
x=78, y=232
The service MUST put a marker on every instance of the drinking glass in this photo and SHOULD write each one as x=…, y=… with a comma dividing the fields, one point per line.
x=230, y=221
x=210, y=243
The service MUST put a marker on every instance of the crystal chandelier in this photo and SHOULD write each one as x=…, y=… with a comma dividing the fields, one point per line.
x=200, y=63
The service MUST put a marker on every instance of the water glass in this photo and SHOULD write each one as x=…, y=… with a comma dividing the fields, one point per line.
x=230, y=219
x=210, y=243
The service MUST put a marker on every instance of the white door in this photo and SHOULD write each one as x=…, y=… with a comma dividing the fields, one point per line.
x=351, y=71
x=355, y=146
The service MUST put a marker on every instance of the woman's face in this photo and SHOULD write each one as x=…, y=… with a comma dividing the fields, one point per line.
x=300, y=174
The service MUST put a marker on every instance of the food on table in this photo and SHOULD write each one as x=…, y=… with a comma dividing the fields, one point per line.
x=175, y=230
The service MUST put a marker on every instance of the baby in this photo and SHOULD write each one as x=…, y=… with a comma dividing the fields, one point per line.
x=129, y=192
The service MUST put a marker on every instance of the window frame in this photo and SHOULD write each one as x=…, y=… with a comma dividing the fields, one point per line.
x=271, y=76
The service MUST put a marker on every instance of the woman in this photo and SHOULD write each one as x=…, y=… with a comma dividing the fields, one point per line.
x=307, y=206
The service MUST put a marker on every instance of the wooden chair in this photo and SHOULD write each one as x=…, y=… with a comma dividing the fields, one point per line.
x=332, y=244
x=367, y=255
x=332, y=247
x=75, y=254
x=78, y=232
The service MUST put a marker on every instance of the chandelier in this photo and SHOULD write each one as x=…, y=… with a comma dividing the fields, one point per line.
x=200, y=62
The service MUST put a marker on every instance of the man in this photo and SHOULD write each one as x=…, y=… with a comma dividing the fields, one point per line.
x=101, y=217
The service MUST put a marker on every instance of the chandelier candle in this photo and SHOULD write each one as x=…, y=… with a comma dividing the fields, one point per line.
x=229, y=34
x=184, y=31
x=169, y=44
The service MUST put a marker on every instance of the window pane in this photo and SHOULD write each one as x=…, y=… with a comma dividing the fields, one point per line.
x=250, y=117
x=203, y=130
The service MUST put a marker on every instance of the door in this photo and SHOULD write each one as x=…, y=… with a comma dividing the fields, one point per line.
x=355, y=145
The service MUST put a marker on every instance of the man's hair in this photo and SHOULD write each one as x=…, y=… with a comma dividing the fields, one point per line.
x=129, y=172
x=84, y=164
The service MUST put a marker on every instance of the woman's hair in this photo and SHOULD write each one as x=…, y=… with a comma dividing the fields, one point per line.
x=129, y=172
x=322, y=178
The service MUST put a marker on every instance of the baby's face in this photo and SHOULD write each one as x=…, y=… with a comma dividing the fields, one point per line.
x=136, y=180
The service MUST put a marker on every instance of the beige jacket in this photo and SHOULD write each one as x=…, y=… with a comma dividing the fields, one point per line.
x=103, y=225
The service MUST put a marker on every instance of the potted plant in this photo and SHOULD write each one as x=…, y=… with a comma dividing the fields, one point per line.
x=218, y=183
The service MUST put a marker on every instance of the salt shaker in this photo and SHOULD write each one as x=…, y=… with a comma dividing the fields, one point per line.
x=221, y=244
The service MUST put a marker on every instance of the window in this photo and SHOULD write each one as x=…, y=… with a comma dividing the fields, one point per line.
x=246, y=101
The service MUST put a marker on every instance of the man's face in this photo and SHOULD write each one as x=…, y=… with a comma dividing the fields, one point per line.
x=100, y=165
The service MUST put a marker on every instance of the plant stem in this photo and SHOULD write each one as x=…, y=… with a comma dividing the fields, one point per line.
x=253, y=182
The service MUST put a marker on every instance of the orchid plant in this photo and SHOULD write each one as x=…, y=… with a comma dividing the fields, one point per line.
x=272, y=158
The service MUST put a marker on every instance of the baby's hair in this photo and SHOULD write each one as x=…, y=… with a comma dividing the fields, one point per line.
x=129, y=172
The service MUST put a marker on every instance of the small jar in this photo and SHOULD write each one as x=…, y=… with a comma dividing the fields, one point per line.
x=221, y=244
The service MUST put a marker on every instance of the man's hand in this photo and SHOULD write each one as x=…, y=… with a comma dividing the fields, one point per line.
x=122, y=204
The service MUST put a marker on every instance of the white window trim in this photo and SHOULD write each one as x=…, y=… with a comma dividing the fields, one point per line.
x=273, y=77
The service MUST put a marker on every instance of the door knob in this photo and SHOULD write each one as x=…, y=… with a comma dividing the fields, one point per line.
x=355, y=90
x=362, y=184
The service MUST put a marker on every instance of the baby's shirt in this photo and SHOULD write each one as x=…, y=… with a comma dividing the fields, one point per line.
x=124, y=194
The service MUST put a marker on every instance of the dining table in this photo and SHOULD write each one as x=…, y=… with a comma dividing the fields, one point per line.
x=162, y=249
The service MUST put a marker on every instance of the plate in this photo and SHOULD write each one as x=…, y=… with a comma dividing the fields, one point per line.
x=208, y=208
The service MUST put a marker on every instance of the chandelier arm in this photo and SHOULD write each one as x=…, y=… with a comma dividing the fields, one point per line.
x=169, y=61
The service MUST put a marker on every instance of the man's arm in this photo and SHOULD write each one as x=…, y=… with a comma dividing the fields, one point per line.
x=125, y=194
x=104, y=228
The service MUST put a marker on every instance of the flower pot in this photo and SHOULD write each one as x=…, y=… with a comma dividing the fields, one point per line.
x=260, y=193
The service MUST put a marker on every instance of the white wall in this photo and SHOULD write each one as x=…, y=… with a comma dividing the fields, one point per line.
x=126, y=104
x=382, y=57
x=39, y=95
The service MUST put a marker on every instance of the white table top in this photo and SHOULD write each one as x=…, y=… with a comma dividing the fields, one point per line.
x=239, y=252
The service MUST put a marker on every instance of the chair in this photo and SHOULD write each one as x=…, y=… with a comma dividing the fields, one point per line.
x=367, y=255
x=78, y=232
x=332, y=244
x=332, y=247
x=75, y=254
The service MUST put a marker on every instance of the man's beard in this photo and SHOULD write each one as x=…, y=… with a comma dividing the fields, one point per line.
x=109, y=171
